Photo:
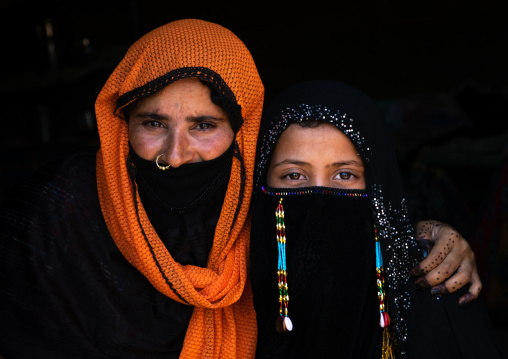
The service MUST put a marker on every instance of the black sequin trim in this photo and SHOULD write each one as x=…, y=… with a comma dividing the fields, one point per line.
x=299, y=191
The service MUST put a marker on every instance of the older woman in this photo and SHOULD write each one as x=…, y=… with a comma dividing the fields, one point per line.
x=141, y=249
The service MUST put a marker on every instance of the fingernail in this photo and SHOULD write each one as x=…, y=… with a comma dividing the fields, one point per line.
x=416, y=271
x=425, y=246
x=422, y=283
x=466, y=299
x=439, y=290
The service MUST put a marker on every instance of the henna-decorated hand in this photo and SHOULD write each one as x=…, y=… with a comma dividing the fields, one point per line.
x=449, y=262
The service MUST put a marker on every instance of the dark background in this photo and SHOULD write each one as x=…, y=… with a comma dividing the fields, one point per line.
x=438, y=70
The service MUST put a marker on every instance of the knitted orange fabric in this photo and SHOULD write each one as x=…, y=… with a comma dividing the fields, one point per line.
x=223, y=324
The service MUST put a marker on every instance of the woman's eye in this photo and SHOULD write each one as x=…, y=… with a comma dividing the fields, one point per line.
x=294, y=176
x=345, y=175
x=204, y=126
x=153, y=123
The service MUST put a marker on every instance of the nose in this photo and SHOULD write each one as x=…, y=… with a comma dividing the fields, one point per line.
x=178, y=149
x=319, y=179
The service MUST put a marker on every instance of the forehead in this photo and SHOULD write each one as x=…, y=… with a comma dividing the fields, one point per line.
x=275, y=123
x=321, y=139
x=187, y=90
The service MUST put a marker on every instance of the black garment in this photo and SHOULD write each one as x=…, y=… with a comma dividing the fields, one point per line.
x=184, y=203
x=421, y=325
x=66, y=291
x=327, y=302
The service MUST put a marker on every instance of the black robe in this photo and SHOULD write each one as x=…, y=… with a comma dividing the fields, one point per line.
x=66, y=291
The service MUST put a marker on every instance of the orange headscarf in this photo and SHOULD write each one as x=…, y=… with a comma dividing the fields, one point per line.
x=223, y=324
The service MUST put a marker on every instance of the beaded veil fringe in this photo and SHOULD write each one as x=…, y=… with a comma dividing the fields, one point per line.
x=284, y=323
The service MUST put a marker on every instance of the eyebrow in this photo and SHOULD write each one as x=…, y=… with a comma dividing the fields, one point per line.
x=152, y=115
x=289, y=161
x=158, y=116
x=345, y=163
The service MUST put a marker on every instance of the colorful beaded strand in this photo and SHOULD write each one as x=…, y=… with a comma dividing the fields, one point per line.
x=283, y=323
x=384, y=318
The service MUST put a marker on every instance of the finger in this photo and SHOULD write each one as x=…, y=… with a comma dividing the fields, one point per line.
x=424, y=228
x=458, y=257
x=425, y=243
x=437, y=275
x=440, y=252
x=447, y=241
x=474, y=290
x=445, y=270
x=461, y=278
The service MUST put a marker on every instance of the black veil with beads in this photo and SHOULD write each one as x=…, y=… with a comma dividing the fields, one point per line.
x=415, y=315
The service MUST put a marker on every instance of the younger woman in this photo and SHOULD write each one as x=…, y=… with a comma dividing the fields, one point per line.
x=332, y=242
